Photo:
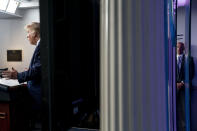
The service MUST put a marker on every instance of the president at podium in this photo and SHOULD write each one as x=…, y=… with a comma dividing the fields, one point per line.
x=33, y=74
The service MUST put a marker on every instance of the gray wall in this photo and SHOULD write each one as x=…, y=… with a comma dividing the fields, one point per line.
x=13, y=36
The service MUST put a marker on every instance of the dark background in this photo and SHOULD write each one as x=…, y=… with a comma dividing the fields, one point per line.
x=70, y=63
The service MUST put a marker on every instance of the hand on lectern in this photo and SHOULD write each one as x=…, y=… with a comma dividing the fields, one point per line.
x=10, y=74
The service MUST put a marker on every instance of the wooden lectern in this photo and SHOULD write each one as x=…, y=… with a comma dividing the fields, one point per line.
x=12, y=106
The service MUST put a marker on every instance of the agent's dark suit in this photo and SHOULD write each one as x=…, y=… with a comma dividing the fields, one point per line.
x=33, y=77
x=180, y=94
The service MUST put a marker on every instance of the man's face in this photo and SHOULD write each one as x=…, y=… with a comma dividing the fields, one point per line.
x=180, y=48
x=31, y=36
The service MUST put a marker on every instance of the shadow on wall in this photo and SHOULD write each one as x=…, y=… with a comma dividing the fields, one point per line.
x=194, y=55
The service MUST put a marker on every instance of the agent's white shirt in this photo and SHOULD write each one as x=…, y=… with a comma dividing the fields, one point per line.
x=181, y=55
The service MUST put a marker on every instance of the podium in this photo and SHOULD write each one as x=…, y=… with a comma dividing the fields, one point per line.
x=12, y=105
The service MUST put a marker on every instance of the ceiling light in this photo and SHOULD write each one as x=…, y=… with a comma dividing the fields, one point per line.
x=182, y=2
x=12, y=6
x=3, y=4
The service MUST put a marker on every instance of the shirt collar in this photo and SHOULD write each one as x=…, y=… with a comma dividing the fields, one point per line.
x=38, y=42
x=181, y=55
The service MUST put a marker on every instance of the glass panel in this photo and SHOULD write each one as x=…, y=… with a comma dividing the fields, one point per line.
x=185, y=65
x=193, y=91
x=172, y=62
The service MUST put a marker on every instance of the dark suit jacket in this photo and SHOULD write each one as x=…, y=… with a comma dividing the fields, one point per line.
x=180, y=94
x=33, y=76
x=180, y=75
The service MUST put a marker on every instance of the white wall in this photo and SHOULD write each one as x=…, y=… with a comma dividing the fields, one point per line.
x=13, y=36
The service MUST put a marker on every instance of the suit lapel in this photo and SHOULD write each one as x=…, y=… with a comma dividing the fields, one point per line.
x=180, y=71
x=32, y=59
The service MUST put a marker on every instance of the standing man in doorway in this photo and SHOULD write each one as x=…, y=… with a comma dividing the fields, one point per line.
x=180, y=84
x=33, y=74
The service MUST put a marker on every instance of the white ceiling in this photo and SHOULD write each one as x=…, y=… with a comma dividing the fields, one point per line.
x=24, y=4
x=30, y=4
x=7, y=15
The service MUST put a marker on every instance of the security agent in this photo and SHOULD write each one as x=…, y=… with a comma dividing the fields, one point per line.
x=180, y=84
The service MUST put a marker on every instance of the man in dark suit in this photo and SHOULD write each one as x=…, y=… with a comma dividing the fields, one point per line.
x=33, y=74
x=180, y=83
